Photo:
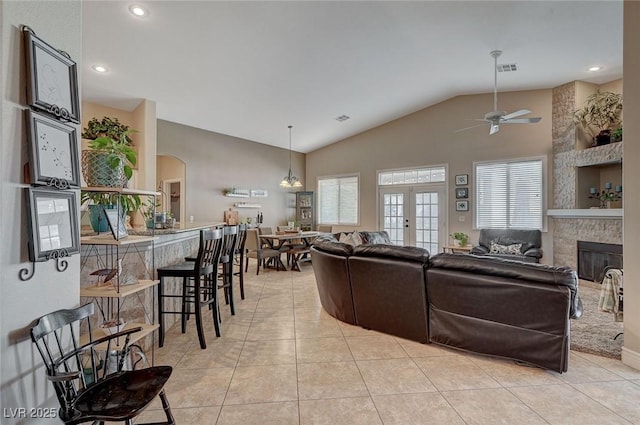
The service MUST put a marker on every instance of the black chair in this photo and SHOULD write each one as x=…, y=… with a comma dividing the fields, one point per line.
x=240, y=255
x=199, y=280
x=229, y=245
x=91, y=383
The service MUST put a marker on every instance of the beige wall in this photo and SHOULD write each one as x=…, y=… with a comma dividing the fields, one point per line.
x=428, y=137
x=216, y=161
x=631, y=177
x=23, y=383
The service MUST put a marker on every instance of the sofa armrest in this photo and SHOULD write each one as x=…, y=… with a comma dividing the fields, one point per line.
x=479, y=250
x=533, y=252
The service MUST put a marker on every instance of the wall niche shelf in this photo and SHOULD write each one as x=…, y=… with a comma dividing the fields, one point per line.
x=247, y=205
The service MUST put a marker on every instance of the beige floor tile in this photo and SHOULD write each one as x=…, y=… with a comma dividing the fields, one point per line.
x=353, y=330
x=317, y=329
x=170, y=354
x=256, y=384
x=509, y=374
x=612, y=365
x=230, y=332
x=416, y=409
x=393, y=376
x=563, y=405
x=330, y=380
x=279, y=351
x=449, y=373
x=312, y=314
x=271, y=330
x=186, y=416
x=622, y=397
x=217, y=354
x=311, y=350
x=340, y=411
x=197, y=387
x=417, y=349
x=582, y=370
x=282, y=413
x=272, y=314
x=491, y=406
x=375, y=347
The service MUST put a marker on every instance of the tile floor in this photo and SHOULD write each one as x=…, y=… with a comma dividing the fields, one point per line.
x=283, y=361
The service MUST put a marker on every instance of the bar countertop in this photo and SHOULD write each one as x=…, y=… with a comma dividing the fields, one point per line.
x=177, y=228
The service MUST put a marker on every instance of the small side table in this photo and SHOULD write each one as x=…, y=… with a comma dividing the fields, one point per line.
x=460, y=249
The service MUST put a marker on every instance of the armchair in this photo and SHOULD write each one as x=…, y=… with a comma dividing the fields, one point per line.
x=522, y=245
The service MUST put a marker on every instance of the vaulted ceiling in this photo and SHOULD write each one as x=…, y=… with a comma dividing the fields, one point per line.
x=250, y=69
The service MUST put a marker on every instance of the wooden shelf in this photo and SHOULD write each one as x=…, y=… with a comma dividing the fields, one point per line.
x=121, y=190
x=147, y=329
x=107, y=239
x=110, y=291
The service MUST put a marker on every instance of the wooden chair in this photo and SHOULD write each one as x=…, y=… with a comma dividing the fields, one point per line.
x=199, y=285
x=240, y=253
x=257, y=251
x=90, y=383
x=229, y=245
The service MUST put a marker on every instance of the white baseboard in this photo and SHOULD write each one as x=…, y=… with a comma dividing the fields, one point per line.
x=631, y=358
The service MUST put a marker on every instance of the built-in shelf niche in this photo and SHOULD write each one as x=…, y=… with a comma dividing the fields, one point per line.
x=597, y=175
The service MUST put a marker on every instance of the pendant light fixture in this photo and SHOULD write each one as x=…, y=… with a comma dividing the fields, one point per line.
x=290, y=180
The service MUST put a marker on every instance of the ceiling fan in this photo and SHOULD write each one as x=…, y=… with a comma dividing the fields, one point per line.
x=496, y=117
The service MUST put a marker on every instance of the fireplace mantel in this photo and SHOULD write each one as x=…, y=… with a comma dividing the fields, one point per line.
x=607, y=213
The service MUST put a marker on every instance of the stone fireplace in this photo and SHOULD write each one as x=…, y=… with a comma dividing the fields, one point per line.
x=594, y=257
x=576, y=168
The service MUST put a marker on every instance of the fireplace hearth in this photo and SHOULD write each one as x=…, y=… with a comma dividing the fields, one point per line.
x=593, y=257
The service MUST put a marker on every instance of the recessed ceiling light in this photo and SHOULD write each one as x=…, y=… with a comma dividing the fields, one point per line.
x=594, y=68
x=342, y=118
x=138, y=10
x=99, y=68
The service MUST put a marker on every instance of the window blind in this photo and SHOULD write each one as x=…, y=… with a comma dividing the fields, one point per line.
x=509, y=195
x=338, y=200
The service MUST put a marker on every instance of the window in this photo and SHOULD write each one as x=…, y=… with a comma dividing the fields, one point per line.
x=509, y=194
x=411, y=176
x=338, y=200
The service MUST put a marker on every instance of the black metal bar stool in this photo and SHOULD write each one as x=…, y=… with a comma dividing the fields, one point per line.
x=229, y=245
x=199, y=281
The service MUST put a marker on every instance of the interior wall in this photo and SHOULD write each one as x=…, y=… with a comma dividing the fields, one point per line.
x=631, y=177
x=216, y=162
x=170, y=168
x=428, y=137
x=23, y=383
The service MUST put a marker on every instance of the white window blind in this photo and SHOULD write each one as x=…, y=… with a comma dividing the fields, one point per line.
x=338, y=200
x=509, y=195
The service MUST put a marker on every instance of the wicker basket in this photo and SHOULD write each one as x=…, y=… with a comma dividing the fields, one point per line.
x=97, y=171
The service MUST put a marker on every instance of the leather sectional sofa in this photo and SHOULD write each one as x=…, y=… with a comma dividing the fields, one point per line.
x=490, y=306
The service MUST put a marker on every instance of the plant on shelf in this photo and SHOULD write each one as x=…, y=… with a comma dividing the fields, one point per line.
x=602, y=110
x=110, y=159
x=460, y=238
x=607, y=195
x=97, y=202
x=149, y=211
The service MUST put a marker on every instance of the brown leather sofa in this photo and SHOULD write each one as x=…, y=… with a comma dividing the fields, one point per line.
x=530, y=242
x=491, y=306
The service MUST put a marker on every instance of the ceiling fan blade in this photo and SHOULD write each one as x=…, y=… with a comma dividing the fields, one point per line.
x=522, y=120
x=494, y=129
x=468, y=128
x=516, y=114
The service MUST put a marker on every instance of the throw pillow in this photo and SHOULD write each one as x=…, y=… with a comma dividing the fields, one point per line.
x=352, y=239
x=513, y=249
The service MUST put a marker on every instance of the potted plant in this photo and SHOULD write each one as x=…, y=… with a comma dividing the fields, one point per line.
x=97, y=202
x=460, y=239
x=110, y=159
x=601, y=110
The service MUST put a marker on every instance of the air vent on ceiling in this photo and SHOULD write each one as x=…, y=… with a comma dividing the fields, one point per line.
x=507, y=67
x=342, y=118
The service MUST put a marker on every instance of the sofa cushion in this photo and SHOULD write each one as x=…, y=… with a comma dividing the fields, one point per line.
x=514, y=249
x=353, y=238
x=328, y=243
x=373, y=238
x=407, y=253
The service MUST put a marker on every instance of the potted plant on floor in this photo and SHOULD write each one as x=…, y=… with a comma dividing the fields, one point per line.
x=110, y=159
x=602, y=110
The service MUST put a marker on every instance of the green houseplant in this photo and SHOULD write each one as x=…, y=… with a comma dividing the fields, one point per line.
x=460, y=238
x=97, y=202
x=110, y=159
x=602, y=110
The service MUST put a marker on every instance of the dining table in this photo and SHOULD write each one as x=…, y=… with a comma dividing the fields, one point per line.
x=295, y=243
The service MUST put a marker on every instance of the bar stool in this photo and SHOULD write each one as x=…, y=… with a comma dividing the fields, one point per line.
x=240, y=254
x=229, y=244
x=203, y=272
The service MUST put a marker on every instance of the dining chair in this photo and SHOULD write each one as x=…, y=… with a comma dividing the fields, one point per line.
x=240, y=254
x=257, y=251
x=267, y=231
x=229, y=245
x=199, y=285
x=91, y=384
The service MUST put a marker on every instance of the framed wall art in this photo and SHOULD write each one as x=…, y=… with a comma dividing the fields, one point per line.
x=52, y=79
x=116, y=224
x=462, y=205
x=53, y=231
x=53, y=152
x=462, y=179
x=462, y=192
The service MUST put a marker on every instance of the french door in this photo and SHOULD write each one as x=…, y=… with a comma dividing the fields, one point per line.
x=414, y=215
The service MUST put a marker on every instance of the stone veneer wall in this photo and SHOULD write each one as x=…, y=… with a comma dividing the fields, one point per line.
x=567, y=231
